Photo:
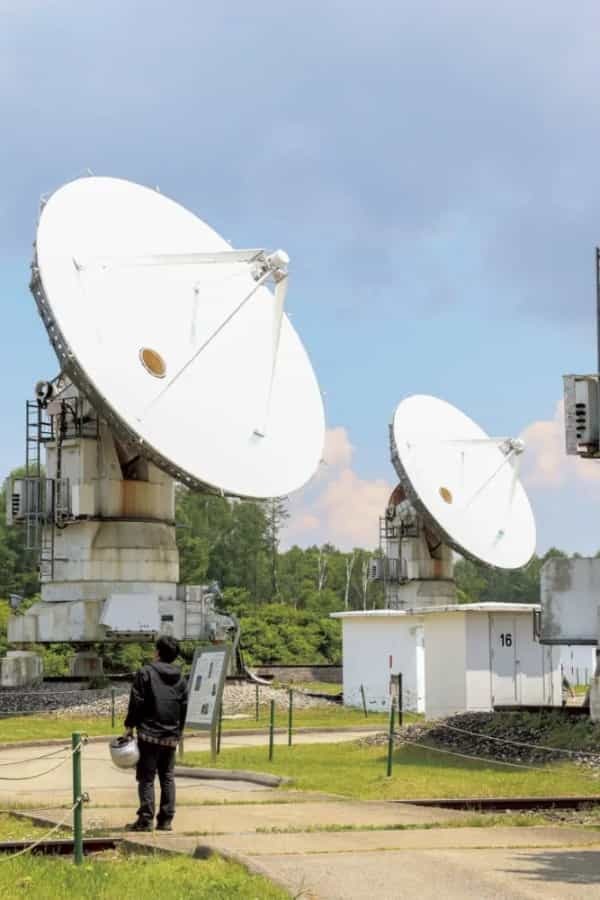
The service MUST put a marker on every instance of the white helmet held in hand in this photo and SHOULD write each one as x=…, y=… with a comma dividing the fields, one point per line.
x=124, y=752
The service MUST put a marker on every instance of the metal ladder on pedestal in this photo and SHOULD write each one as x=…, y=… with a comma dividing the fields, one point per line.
x=39, y=492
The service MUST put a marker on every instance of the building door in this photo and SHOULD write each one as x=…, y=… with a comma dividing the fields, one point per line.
x=503, y=658
x=530, y=662
x=548, y=671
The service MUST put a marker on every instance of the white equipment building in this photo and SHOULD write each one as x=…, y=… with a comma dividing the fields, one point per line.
x=570, y=588
x=457, y=658
x=459, y=491
x=178, y=365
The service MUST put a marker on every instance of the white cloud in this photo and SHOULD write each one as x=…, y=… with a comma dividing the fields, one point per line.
x=338, y=506
x=338, y=449
x=342, y=508
x=546, y=464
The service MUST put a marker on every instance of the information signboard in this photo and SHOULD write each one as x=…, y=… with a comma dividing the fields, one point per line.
x=205, y=688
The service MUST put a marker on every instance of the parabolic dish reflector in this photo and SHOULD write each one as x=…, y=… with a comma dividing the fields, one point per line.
x=171, y=336
x=463, y=483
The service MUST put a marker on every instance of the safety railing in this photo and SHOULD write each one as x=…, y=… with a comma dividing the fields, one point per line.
x=73, y=753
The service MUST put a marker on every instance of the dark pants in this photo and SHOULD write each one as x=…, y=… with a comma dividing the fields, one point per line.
x=156, y=759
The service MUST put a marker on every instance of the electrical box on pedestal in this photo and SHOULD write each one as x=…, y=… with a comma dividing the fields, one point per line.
x=582, y=415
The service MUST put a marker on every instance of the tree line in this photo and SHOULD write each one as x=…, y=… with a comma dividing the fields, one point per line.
x=282, y=598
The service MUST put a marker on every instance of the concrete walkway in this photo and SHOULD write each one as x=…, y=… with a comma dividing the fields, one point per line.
x=232, y=739
x=320, y=847
x=483, y=874
x=111, y=786
x=234, y=818
x=455, y=863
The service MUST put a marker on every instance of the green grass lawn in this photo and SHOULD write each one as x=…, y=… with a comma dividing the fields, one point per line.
x=123, y=876
x=359, y=771
x=330, y=716
x=317, y=687
x=48, y=726
x=478, y=820
x=15, y=829
x=126, y=877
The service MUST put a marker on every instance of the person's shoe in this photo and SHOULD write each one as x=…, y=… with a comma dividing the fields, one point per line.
x=140, y=825
x=164, y=826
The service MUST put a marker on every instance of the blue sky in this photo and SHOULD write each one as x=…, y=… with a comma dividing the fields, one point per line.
x=431, y=168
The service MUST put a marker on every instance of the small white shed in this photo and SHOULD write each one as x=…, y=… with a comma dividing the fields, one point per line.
x=378, y=644
x=452, y=658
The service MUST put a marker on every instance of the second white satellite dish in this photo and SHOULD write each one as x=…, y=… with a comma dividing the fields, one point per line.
x=176, y=340
x=463, y=483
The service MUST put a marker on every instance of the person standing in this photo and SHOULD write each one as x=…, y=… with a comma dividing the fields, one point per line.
x=157, y=708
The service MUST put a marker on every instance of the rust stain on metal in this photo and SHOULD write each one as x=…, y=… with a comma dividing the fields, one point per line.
x=137, y=498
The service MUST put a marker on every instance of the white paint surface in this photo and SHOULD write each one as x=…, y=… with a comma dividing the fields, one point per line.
x=465, y=481
x=108, y=305
x=445, y=652
x=452, y=659
x=368, y=646
x=570, y=592
x=503, y=652
x=478, y=671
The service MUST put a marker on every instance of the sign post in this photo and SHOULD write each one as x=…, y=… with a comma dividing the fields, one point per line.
x=364, y=700
x=396, y=695
x=77, y=800
x=271, y=731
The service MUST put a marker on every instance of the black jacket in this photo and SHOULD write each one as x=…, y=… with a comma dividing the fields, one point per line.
x=158, y=701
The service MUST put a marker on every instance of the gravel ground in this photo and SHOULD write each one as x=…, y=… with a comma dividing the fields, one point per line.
x=529, y=732
x=55, y=697
x=77, y=700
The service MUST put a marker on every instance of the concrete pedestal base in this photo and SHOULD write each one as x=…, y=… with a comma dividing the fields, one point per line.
x=185, y=612
x=595, y=699
x=86, y=664
x=418, y=594
x=20, y=668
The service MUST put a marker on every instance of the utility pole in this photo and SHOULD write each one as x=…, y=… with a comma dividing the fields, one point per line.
x=349, y=566
x=321, y=570
x=365, y=580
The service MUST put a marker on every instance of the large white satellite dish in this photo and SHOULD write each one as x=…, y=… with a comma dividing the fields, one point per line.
x=463, y=483
x=176, y=340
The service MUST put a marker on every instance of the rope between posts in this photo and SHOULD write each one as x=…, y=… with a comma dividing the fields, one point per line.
x=486, y=759
x=56, y=693
x=20, y=762
x=27, y=810
x=489, y=737
x=44, y=837
x=46, y=771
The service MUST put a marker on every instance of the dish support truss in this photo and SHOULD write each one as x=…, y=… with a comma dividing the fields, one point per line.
x=264, y=267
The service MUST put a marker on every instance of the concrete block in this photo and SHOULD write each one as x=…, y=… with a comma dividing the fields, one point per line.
x=595, y=699
x=570, y=589
x=23, y=629
x=86, y=664
x=20, y=668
